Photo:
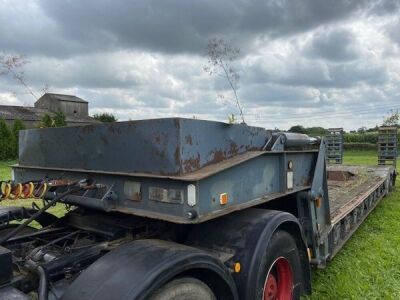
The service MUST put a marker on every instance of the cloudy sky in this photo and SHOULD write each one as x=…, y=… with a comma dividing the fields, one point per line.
x=310, y=62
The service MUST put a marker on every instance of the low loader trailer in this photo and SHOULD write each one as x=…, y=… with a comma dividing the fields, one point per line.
x=177, y=209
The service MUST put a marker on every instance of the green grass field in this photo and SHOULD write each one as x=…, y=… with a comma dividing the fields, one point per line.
x=368, y=267
x=5, y=174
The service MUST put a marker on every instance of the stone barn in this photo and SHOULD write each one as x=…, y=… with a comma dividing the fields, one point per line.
x=76, y=110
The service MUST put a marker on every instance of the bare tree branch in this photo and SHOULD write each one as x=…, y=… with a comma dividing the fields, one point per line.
x=12, y=65
x=220, y=57
x=392, y=119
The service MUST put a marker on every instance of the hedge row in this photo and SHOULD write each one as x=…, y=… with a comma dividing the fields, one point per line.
x=9, y=139
x=368, y=137
x=360, y=146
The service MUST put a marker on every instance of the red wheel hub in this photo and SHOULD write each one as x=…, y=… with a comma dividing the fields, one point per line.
x=279, y=282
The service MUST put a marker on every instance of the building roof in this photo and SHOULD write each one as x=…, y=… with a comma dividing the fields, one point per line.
x=65, y=98
x=26, y=113
x=21, y=112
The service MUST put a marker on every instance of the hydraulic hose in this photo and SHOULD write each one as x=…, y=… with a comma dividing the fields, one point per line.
x=43, y=289
x=10, y=190
x=39, y=212
x=5, y=189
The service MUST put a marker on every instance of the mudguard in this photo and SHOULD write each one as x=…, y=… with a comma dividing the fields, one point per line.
x=247, y=234
x=136, y=269
x=15, y=213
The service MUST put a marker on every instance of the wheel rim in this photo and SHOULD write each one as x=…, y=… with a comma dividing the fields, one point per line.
x=279, y=282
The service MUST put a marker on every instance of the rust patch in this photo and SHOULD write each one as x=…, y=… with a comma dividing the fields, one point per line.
x=306, y=180
x=177, y=156
x=192, y=164
x=132, y=124
x=339, y=175
x=87, y=129
x=112, y=129
x=177, y=123
x=218, y=155
x=188, y=139
x=161, y=138
x=136, y=197
x=233, y=149
x=252, y=148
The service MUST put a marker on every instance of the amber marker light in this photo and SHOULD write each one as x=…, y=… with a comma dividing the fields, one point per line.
x=223, y=198
x=237, y=267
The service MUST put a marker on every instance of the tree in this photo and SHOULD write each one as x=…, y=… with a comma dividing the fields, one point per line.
x=373, y=129
x=220, y=58
x=12, y=65
x=46, y=121
x=17, y=126
x=297, y=129
x=362, y=130
x=392, y=119
x=59, y=119
x=6, y=141
x=105, y=118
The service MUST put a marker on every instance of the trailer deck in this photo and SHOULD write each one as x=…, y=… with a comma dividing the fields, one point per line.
x=354, y=191
x=348, y=184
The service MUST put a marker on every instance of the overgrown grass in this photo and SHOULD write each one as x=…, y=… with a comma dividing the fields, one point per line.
x=368, y=267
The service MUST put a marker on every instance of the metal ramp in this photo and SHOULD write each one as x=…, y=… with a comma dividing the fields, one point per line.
x=334, y=146
x=387, y=145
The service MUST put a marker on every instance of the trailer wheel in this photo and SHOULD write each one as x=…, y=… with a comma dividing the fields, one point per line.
x=280, y=271
x=183, y=289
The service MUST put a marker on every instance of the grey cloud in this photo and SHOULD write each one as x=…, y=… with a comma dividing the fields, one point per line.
x=336, y=45
x=280, y=95
x=393, y=31
x=293, y=68
x=142, y=59
x=171, y=26
x=337, y=76
x=384, y=7
x=89, y=72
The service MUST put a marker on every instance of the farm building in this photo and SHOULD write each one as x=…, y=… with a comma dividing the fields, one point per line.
x=75, y=109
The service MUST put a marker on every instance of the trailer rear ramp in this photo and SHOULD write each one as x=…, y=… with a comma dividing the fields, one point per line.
x=354, y=191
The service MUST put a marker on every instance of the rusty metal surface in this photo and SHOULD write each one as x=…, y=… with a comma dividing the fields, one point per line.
x=167, y=147
x=339, y=175
x=365, y=190
x=155, y=166
x=348, y=185
x=193, y=176
x=249, y=179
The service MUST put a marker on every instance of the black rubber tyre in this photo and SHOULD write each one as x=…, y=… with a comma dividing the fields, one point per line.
x=282, y=246
x=186, y=288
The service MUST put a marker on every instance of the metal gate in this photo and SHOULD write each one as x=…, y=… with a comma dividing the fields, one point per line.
x=334, y=146
x=387, y=145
